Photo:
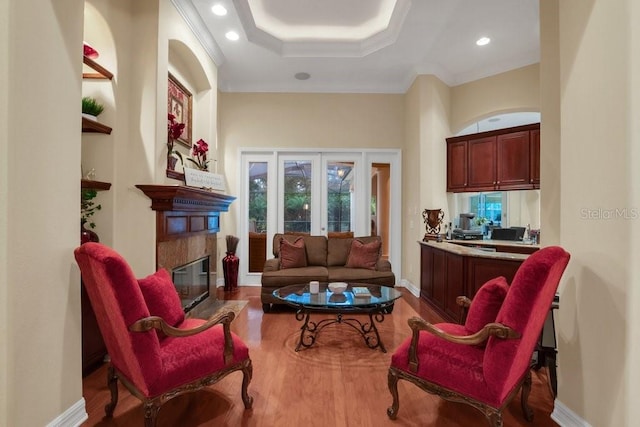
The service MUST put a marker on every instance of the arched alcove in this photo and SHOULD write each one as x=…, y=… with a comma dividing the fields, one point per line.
x=501, y=120
x=182, y=59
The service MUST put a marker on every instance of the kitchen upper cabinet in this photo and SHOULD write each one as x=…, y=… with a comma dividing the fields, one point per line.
x=457, y=166
x=482, y=164
x=506, y=159
x=513, y=161
x=535, y=158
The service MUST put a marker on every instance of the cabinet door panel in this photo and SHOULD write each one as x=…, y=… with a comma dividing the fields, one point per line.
x=456, y=165
x=426, y=272
x=439, y=278
x=513, y=160
x=482, y=163
x=481, y=270
x=455, y=285
x=535, y=158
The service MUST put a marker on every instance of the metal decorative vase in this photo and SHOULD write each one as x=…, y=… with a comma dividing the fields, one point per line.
x=230, y=265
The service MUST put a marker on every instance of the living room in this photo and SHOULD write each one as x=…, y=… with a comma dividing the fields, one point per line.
x=599, y=280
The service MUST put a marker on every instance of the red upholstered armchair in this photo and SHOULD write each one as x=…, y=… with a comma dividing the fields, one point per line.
x=155, y=351
x=487, y=360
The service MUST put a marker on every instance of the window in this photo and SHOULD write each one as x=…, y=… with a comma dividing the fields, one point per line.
x=487, y=205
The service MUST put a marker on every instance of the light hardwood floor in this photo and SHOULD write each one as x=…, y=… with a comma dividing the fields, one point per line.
x=338, y=382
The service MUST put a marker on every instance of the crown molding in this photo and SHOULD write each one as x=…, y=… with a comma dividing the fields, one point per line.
x=323, y=49
x=192, y=18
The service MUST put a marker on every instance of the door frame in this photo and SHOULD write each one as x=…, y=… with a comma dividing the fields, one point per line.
x=364, y=157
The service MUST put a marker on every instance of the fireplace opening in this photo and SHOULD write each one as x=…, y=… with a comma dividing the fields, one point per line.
x=192, y=281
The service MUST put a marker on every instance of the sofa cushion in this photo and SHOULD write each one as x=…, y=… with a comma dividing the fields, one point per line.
x=316, y=247
x=364, y=255
x=292, y=254
x=361, y=275
x=338, y=251
x=161, y=297
x=486, y=304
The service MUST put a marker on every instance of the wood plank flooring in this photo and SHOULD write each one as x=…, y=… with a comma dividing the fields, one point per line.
x=337, y=382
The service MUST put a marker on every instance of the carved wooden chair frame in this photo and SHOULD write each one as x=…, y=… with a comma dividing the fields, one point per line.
x=152, y=405
x=493, y=415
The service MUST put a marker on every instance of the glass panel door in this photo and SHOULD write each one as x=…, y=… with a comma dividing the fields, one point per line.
x=258, y=208
x=297, y=197
x=339, y=179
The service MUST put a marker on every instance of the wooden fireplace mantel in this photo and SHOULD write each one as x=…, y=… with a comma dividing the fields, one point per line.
x=182, y=212
x=183, y=198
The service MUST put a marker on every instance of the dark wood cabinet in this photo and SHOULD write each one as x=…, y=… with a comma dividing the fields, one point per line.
x=506, y=159
x=482, y=164
x=457, y=165
x=447, y=273
x=441, y=280
x=513, y=160
x=481, y=270
x=535, y=158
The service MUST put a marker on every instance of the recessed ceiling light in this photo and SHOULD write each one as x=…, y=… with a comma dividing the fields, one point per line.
x=232, y=35
x=219, y=10
x=483, y=41
x=494, y=119
x=302, y=76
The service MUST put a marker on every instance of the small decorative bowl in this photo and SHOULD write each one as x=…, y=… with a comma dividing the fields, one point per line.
x=337, y=287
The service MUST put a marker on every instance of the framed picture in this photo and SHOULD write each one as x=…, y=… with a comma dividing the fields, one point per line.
x=179, y=104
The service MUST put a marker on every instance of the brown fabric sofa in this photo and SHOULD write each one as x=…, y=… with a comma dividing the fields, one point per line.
x=326, y=259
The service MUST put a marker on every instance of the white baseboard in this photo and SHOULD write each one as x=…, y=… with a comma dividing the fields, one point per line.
x=72, y=417
x=565, y=417
x=415, y=291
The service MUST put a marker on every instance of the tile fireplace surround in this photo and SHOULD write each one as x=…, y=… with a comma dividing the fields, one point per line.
x=187, y=223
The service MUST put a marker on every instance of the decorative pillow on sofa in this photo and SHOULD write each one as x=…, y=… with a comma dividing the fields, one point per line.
x=292, y=254
x=161, y=297
x=364, y=255
x=486, y=304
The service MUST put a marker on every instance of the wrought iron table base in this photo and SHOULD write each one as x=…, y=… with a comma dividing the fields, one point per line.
x=368, y=330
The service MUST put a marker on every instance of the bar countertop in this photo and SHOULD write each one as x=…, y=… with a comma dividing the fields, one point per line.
x=459, y=249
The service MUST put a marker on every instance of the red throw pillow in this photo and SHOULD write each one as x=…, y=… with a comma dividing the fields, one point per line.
x=161, y=297
x=292, y=255
x=364, y=255
x=486, y=304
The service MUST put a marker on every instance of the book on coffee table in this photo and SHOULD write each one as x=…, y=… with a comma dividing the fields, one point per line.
x=360, y=291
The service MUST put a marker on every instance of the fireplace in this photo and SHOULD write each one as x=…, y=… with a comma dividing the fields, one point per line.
x=187, y=223
x=193, y=282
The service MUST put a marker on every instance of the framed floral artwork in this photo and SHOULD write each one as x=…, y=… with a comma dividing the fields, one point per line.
x=179, y=104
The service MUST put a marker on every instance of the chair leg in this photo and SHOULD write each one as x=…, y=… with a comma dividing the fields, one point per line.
x=392, y=382
x=495, y=418
x=150, y=413
x=247, y=373
x=112, y=383
x=526, y=389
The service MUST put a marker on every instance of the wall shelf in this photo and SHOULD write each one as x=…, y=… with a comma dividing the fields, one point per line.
x=91, y=126
x=101, y=72
x=95, y=185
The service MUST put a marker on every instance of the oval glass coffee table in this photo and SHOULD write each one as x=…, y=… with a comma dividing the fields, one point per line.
x=371, y=300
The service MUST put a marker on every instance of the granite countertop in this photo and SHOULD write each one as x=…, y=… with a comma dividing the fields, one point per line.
x=473, y=252
x=493, y=243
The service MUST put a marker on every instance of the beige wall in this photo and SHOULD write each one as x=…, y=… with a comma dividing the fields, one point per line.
x=286, y=120
x=5, y=37
x=427, y=105
x=598, y=175
x=516, y=90
x=139, y=42
x=40, y=304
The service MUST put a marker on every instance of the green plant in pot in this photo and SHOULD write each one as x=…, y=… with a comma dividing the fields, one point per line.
x=91, y=108
x=87, y=209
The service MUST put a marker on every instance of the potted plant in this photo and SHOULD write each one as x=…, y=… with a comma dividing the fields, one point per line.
x=91, y=108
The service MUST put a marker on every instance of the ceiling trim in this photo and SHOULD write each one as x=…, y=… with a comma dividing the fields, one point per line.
x=194, y=21
x=323, y=49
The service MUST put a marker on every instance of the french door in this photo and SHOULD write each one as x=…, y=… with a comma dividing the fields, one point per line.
x=318, y=193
